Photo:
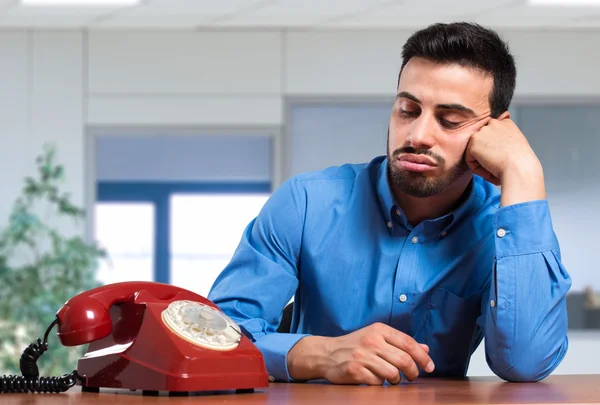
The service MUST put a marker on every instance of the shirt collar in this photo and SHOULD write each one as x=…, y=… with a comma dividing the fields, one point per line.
x=395, y=218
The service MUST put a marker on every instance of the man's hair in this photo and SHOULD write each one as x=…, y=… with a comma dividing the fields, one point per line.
x=469, y=45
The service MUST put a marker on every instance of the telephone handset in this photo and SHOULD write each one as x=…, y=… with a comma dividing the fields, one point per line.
x=146, y=336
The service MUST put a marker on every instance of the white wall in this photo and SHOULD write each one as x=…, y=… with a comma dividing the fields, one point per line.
x=185, y=78
x=54, y=84
x=41, y=101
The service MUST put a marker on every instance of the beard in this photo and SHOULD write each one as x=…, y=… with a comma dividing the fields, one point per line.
x=418, y=184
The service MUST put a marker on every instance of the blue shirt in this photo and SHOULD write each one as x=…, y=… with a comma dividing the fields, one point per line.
x=336, y=241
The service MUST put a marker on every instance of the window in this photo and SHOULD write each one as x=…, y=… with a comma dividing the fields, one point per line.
x=205, y=231
x=177, y=233
x=126, y=231
x=172, y=205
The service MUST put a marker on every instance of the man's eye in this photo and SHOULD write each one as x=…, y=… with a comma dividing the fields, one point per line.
x=406, y=113
x=448, y=124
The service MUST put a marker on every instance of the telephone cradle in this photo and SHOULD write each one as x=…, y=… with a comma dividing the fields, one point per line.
x=156, y=337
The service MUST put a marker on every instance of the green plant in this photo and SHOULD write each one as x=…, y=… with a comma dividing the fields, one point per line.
x=41, y=267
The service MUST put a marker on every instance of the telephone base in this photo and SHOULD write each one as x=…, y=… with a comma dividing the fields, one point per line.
x=154, y=393
x=179, y=394
x=141, y=354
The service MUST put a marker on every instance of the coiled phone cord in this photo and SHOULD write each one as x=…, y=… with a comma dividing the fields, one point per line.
x=30, y=381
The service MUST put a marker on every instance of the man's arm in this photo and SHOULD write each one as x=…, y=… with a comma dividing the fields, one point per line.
x=524, y=313
x=262, y=276
x=259, y=281
x=525, y=308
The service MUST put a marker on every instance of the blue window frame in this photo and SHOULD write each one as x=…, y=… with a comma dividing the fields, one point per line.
x=159, y=194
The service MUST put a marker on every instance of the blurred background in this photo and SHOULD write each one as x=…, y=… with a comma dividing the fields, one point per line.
x=162, y=126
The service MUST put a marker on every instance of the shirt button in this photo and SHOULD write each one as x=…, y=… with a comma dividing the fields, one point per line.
x=402, y=298
x=271, y=378
x=492, y=303
x=415, y=239
x=501, y=233
x=444, y=233
x=398, y=212
x=389, y=224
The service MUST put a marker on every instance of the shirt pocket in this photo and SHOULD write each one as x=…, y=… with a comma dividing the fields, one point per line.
x=451, y=328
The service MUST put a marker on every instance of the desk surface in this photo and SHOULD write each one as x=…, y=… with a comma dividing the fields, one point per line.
x=568, y=389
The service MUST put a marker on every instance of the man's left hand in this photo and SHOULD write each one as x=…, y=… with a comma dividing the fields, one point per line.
x=500, y=153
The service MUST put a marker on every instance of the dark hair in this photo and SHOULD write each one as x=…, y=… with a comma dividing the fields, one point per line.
x=471, y=45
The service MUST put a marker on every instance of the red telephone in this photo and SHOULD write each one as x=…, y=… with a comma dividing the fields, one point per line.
x=152, y=337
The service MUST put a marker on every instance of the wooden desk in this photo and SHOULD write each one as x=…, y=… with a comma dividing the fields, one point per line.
x=484, y=390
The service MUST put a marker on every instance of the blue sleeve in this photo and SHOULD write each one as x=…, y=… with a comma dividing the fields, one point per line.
x=524, y=310
x=262, y=276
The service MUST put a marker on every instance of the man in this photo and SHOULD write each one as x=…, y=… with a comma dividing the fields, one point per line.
x=400, y=267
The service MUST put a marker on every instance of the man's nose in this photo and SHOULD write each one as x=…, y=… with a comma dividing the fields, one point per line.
x=422, y=132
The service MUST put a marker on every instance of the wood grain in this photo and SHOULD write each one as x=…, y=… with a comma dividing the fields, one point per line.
x=568, y=389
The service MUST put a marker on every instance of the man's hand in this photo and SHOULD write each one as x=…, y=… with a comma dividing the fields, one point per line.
x=370, y=355
x=500, y=153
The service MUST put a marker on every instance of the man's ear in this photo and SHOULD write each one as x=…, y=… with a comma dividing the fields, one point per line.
x=504, y=115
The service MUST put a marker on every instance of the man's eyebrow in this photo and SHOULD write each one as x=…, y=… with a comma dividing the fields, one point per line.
x=456, y=107
x=406, y=94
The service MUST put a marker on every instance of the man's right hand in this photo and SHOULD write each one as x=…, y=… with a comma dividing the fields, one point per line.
x=370, y=355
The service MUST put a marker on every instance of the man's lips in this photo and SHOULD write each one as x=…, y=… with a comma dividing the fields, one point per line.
x=417, y=163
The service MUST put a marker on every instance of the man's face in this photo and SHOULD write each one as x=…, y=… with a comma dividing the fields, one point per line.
x=437, y=109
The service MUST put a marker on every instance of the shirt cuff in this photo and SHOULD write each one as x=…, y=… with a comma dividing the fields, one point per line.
x=524, y=228
x=275, y=347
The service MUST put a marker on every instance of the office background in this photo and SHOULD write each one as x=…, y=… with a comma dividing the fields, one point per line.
x=176, y=119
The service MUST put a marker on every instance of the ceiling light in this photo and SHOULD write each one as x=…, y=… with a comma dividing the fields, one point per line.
x=80, y=3
x=565, y=2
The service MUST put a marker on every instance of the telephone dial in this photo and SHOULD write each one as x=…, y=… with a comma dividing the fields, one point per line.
x=146, y=336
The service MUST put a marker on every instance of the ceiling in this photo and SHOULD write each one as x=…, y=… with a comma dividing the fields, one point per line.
x=300, y=14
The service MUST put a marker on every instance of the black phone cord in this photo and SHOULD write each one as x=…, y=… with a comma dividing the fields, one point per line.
x=30, y=381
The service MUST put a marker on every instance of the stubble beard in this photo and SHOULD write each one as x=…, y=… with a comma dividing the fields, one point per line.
x=418, y=184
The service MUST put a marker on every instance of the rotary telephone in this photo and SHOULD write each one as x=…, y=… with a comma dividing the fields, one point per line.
x=146, y=336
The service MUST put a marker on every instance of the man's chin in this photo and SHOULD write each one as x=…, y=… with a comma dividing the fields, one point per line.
x=417, y=184
x=418, y=190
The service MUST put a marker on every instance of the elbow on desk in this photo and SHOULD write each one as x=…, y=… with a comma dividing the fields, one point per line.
x=529, y=365
x=521, y=374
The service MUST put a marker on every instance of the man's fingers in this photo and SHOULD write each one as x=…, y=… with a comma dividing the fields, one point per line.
x=370, y=378
x=425, y=347
x=382, y=368
x=401, y=361
x=476, y=122
x=407, y=344
x=479, y=170
x=482, y=122
x=486, y=175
